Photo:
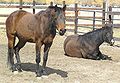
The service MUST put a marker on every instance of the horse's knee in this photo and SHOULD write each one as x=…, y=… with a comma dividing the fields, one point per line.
x=37, y=60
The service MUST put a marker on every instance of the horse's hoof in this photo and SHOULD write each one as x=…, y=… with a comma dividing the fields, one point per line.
x=39, y=78
x=15, y=72
x=38, y=74
x=44, y=76
x=20, y=70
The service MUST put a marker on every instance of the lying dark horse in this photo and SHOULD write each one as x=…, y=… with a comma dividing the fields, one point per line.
x=37, y=28
x=87, y=45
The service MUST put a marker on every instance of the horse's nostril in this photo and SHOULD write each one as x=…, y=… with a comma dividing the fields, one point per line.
x=60, y=29
x=65, y=30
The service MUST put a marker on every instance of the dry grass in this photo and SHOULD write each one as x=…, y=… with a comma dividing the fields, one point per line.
x=60, y=68
x=96, y=2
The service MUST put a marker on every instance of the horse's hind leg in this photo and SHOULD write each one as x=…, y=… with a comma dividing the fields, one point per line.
x=10, y=58
x=17, y=48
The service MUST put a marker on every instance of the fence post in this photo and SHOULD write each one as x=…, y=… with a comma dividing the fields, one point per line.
x=103, y=13
x=110, y=16
x=94, y=20
x=63, y=3
x=20, y=4
x=51, y=3
x=64, y=13
x=76, y=19
x=33, y=6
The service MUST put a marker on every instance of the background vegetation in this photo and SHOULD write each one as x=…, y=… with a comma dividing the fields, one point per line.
x=85, y=2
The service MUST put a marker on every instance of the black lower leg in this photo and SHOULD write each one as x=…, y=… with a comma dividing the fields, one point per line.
x=44, y=64
x=10, y=58
x=18, y=65
x=37, y=64
x=102, y=56
x=46, y=50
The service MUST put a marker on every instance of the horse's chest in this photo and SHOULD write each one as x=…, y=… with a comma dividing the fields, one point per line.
x=48, y=39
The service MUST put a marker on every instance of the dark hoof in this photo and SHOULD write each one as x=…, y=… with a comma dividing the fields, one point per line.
x=38, y=74
x=13, y=68
x=105, y=57
x=19, y=70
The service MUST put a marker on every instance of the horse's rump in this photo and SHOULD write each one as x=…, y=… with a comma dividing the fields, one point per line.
x=21, y=24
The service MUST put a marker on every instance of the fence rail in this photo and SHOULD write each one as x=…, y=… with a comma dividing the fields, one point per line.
x=76, y=16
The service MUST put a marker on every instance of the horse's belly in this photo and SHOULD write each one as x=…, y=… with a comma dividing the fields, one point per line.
x=25, y=34
x=26, y=29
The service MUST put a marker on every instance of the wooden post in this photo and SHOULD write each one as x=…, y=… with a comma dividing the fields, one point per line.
x=64, y=13
x=51, y=3
x=103, y=13
x=110, y=16
x=94, y=20
x=76, y=19
x=20, y=4
x=33, y=6
x=63, y=3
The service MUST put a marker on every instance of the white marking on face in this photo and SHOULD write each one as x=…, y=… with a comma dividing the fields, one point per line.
x=112, y=41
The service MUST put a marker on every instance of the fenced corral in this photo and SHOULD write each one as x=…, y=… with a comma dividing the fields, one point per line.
x=76, y=15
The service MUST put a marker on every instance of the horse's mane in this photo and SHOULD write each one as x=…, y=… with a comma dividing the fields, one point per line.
x=105, y=28
x=97, y=33
x=47, y=13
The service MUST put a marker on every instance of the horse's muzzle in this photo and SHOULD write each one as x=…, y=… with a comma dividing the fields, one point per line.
x=62, y=32
x=112, y=42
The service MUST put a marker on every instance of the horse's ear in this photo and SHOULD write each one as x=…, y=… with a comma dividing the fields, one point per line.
x=55, y=8
x=64, y=8
x=55, y=5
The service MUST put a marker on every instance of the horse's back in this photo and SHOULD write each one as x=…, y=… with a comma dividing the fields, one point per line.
x=71, y=46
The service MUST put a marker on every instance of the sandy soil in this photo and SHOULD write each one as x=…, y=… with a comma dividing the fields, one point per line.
x=60, y=68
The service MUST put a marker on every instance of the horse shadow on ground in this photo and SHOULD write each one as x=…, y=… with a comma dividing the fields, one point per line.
x=32, y=68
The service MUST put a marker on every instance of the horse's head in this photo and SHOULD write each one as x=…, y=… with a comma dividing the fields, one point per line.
x=109, y=34
x=59, y=16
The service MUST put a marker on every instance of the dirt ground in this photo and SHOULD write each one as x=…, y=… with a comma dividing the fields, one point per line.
x=60, y=68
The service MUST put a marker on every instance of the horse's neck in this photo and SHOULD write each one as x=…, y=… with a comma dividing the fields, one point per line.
x=51, y=28
x=99, y=37
x=96, y=37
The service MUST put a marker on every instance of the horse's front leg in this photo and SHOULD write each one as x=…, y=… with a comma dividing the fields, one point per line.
x=46, y=50
x=38, y=58
x=94, y=55
x=103, y=57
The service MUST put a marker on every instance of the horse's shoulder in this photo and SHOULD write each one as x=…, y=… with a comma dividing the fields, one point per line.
x=40, y=15
x=73, y=38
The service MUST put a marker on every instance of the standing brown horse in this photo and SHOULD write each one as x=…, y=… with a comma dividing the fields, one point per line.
x=37, y=28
